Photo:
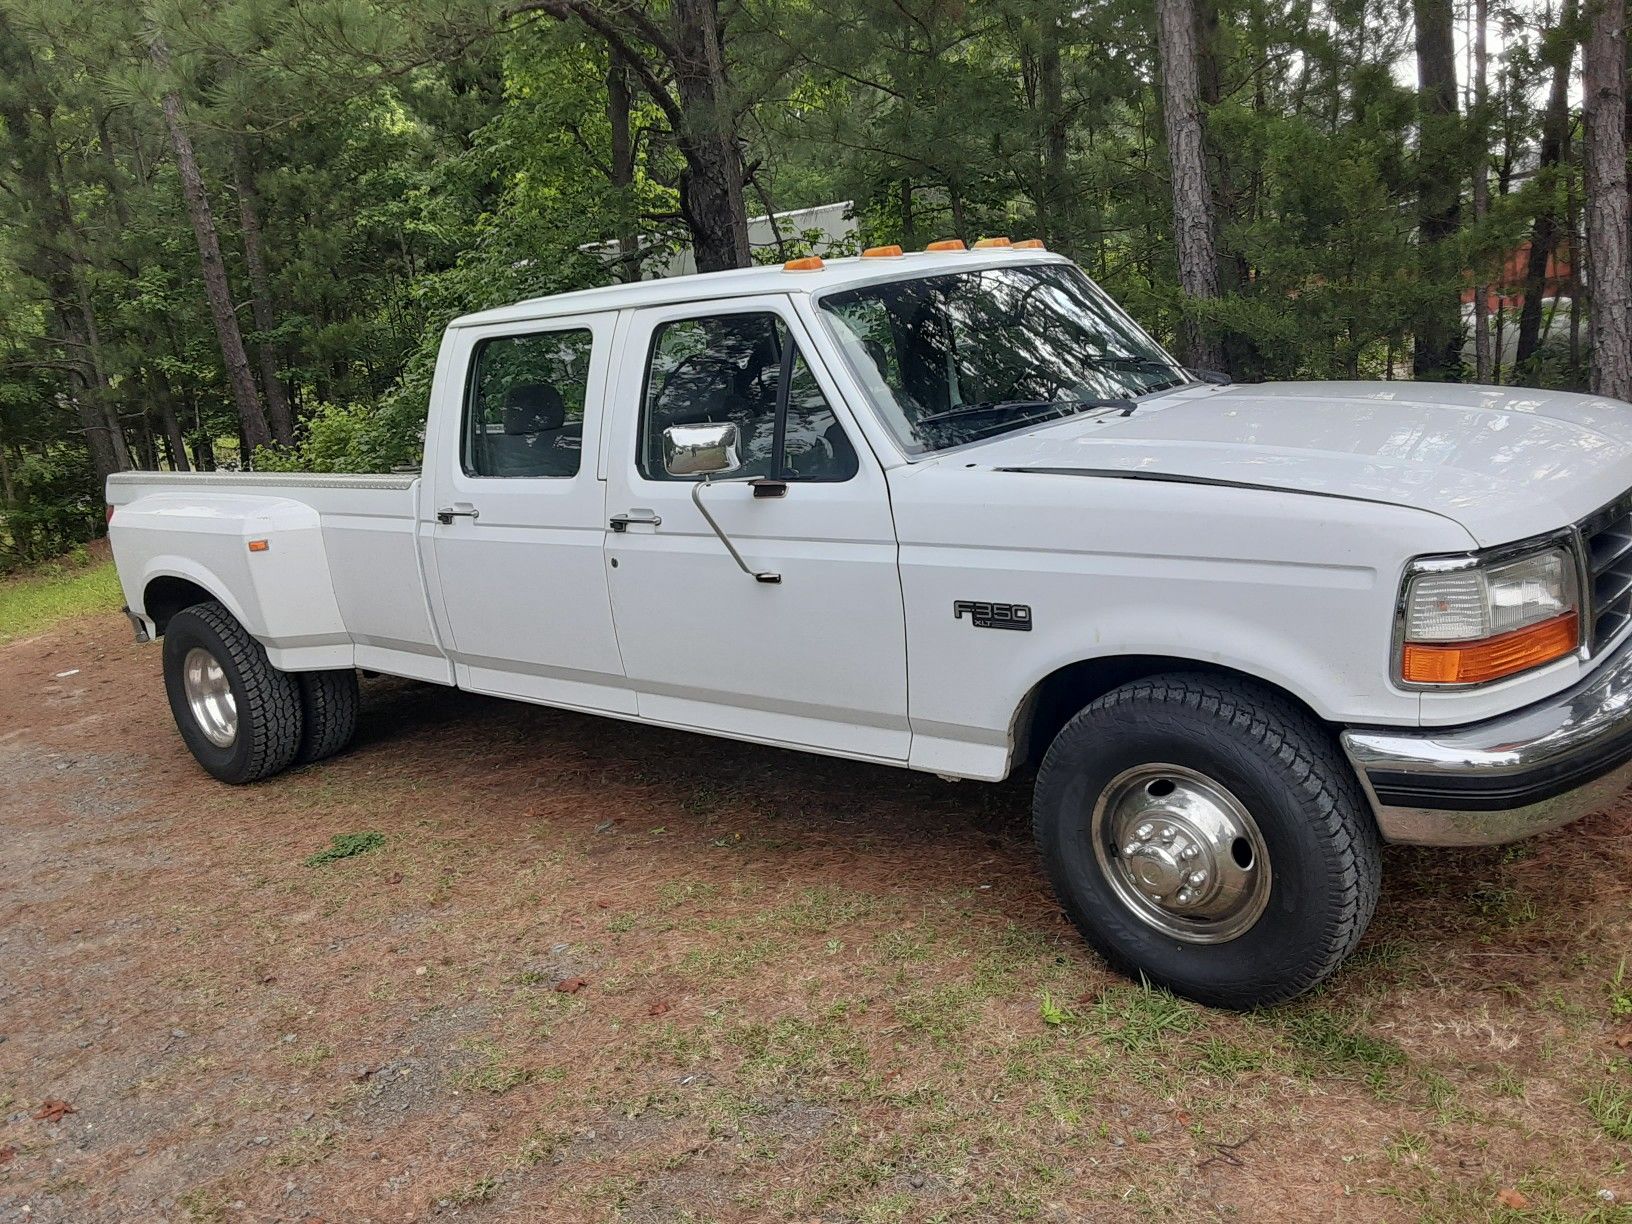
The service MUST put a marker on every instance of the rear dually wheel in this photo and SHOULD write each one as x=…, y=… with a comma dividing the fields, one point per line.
x=239, y=715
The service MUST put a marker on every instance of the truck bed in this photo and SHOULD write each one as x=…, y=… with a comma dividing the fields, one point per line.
x=339, y=582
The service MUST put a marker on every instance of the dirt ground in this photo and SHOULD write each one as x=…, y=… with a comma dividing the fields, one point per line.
x=596, y=971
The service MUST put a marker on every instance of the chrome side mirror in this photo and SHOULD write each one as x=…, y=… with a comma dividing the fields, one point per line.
x=701, y=450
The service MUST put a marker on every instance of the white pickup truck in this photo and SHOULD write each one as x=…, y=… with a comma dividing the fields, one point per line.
x=955, y=511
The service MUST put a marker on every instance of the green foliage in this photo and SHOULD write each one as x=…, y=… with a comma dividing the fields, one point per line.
x=398, y=166
x=53, y=508
x=346, y=845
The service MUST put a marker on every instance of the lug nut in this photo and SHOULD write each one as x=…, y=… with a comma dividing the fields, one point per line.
x=1185, y=896
x=1191, y=852
x=1131, y=849
x=1198, y=878
x=1168, y=835
x=1143, y=832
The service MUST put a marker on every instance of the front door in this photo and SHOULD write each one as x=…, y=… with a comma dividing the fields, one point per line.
x=521, y=517
x=816, y=658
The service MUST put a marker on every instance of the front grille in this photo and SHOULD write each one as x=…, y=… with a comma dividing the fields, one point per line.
x=1607, y=538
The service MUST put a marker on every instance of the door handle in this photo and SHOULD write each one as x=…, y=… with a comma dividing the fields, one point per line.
x=458, y=510
x=646, y=518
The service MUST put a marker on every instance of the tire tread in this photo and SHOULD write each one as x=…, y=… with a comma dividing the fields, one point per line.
x=329, y=701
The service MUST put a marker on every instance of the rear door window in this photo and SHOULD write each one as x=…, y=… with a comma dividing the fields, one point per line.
x=524, y=409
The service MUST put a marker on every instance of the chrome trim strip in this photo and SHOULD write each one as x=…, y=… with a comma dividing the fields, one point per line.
x=259, y=480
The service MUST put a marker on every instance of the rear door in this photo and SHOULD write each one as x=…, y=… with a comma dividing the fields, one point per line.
x=816, y=659
x=520, y=515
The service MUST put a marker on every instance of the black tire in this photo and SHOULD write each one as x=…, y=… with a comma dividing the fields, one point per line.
x=267, y=700
x=328, y=706
x=1283, y=767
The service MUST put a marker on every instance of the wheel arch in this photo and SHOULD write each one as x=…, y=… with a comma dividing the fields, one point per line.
x=170, y=588
x=1053, y=700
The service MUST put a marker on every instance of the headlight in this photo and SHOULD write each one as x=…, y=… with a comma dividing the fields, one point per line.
x=1473, y=622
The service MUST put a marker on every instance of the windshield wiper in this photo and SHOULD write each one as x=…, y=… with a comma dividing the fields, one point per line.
x=1007, y=407
x=1151, y=363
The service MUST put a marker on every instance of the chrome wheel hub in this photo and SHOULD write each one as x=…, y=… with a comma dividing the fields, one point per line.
x=209, y=697
x=1182, y=853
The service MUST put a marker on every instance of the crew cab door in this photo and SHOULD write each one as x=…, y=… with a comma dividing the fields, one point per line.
x=519, y=518
x=817, y=658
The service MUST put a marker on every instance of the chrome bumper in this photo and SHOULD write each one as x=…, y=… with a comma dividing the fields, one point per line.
x=1508, y=777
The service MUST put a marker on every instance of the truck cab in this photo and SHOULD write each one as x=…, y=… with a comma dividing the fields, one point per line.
x=957, y=512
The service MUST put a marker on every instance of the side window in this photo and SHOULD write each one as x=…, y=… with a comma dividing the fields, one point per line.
x=731, y=368
x=524, y=407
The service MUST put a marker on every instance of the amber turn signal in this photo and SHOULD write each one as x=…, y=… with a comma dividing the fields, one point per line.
x=947, y=244
x=259, y=545
x=1491, y=659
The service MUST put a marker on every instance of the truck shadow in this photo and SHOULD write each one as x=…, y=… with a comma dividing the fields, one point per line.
x=888, y=828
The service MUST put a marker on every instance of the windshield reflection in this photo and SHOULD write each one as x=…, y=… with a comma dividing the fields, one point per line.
x=954, y=358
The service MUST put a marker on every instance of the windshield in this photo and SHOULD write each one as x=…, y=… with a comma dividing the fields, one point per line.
x=956, y=358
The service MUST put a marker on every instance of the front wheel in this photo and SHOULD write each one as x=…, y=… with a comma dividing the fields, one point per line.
x=239, y=715
x=1206, y=834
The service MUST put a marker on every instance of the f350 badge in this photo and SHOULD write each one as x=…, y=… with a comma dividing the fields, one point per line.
x=985, y=615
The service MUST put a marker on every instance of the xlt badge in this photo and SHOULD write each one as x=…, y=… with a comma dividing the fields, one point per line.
x=993, y=615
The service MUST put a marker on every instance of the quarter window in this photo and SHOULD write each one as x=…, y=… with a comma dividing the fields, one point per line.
x=745, y=369
x=525, y=408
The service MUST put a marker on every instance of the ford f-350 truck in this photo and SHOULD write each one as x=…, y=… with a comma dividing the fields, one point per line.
x=955, y=511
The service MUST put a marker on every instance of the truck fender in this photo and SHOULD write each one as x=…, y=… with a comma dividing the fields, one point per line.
x=263, y=558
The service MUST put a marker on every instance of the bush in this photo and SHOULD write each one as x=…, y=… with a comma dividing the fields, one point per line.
x=57, y=507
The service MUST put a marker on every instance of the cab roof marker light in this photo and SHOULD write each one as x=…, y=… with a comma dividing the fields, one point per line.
x=985, y=244
x=809, y=263
x=882, y=252
x=947, y=244
x=1030, y=244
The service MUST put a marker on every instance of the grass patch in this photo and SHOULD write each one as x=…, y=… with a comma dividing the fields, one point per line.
x=346, y=845
x=496, y=1074
x=1610, y=1104
x=1137, y=1019
x=1620, y=993
x=1327, y=1043
x=307, y=1145
x=478, y=1191
x=37, y=601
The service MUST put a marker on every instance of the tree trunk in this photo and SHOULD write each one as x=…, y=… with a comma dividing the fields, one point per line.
x=8, y=491
x=1193, y=228
x=1436, y=341
x=233, y=356
x=158, y=387
x=278, y=417
x=1609, y=245
x=1555, y=134
x=105, y=443
x=711, y=198
x=1051, y=220
x=1481, y=183
x=623, y=166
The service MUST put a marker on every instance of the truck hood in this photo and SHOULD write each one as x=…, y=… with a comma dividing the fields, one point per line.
x=1505, y=463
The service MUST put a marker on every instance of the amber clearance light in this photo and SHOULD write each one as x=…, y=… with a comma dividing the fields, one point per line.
x=1492, y=658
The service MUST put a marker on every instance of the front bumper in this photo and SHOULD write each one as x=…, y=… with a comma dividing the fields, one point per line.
x=1507, y=777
